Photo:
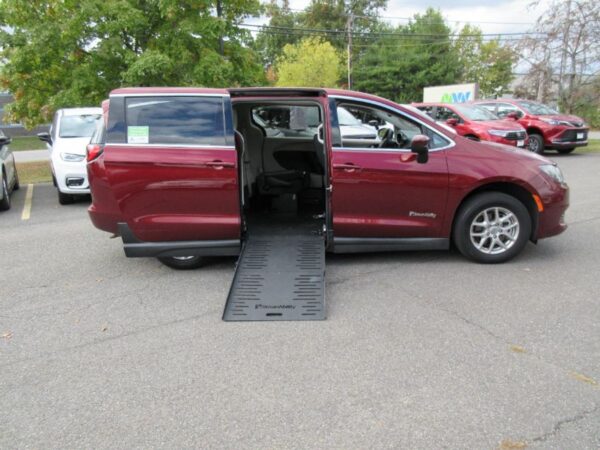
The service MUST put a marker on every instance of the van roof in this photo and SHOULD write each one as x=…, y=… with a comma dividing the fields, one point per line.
x=80, y=111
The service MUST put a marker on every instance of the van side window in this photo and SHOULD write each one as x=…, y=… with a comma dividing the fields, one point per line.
x=366, y=126
x=191, y=120
x=287, y=121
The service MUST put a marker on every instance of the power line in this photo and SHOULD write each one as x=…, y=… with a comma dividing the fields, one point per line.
x=367, y=33
x=408, y=19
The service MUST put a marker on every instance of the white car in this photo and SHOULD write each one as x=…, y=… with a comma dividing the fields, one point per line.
x=69, y=135
x=8, y=171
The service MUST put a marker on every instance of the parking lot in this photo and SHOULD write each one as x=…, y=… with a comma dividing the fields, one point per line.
x=420, y=350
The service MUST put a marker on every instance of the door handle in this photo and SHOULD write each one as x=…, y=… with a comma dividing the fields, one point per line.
x=217, y=164
x=348, y=167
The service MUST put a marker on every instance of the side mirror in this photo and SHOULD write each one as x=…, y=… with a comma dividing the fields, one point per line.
x=452, y=122
x=420, y=145
x=45, y=137
x=374, y=123
x=5, y=140
x=513, y=115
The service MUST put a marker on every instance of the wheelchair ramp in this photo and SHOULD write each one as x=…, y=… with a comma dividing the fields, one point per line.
x=280, y=275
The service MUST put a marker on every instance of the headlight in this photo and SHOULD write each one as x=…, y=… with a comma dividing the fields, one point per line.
x=501, y=133
x=71, y=157
x=555, y=122
x=553, y=172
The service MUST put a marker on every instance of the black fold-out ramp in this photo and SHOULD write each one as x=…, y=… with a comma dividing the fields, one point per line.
x=280, y=274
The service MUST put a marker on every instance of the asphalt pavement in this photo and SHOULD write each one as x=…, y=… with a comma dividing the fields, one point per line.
x=420, y=350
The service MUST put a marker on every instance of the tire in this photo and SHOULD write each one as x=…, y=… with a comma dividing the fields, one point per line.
x=17, y=185
x=480, y=236
x=565, y=151
x=182, y=262
x=65, y=199
x=5, y=202
x=536, y=143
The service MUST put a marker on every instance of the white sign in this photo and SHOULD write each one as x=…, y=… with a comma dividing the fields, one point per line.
x=456, y=93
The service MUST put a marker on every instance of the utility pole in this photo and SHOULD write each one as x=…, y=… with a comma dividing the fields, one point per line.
x=349, y=25
x=219, y=14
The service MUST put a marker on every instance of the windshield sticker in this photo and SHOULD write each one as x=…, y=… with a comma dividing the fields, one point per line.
x=138, y=135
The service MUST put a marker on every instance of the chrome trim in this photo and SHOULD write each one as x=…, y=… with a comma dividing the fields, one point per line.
x=171, y=94
x=396, y=111
x=186, y=146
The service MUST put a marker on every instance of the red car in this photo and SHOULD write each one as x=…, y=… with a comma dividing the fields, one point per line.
x=183, y=173
x=476, y=123
x=547, y=128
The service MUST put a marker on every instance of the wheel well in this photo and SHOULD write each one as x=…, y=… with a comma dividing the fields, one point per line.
x=471, y=136
x=514, y=190
x=532, y=130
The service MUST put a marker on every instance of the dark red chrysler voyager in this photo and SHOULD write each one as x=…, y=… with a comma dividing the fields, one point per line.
x=183, y=173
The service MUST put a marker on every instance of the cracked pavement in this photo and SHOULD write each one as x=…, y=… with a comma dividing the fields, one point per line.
x=420, y=350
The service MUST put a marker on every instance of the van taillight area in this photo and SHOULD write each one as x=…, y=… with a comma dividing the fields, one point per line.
x=93, y=151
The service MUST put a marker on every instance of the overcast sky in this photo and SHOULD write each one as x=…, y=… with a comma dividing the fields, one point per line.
x=515, y=15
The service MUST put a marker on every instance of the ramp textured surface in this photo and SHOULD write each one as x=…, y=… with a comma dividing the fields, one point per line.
x=280, y=275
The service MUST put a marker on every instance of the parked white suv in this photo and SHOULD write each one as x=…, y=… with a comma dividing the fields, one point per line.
x=67, y=140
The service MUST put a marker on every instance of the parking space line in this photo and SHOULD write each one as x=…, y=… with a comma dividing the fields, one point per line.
x=27, y=206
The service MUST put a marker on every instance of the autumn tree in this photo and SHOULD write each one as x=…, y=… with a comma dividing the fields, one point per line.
x=313, y=62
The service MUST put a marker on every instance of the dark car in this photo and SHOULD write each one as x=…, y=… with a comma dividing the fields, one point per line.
x=476, y=123
x=546, y=127
x=182, y=173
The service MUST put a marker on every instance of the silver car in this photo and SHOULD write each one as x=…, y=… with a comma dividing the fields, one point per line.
x=10, y=179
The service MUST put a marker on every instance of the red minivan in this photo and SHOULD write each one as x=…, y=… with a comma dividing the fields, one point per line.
x=183, y=173
x=547, y=128
x=476, y=123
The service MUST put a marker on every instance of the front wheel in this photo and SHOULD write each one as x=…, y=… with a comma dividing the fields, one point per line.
x=65, y=199
x=5, y=202
x=565, y=151
x=536, y=143
x=182, y=262
x=492, y=228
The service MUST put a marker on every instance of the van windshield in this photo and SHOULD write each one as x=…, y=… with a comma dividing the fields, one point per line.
x=79, y=126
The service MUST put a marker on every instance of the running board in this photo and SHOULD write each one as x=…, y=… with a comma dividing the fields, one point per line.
x=279, y=276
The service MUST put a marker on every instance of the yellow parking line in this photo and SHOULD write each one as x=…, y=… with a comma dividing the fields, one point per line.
x=27, y=206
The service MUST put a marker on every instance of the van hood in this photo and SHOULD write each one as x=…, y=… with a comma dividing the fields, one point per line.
x=511, y=152
x=77, y=146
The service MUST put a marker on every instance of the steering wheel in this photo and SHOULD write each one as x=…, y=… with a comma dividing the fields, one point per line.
x=387, y=139
x=402, y=139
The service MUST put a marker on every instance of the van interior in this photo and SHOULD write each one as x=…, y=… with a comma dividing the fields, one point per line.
x=283, y=170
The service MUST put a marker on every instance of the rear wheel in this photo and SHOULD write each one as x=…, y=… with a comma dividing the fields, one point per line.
x=182, y=262
x=492, y=227
x=65, y=199
x=536, y=143
x=5, y=202
x=565, y=151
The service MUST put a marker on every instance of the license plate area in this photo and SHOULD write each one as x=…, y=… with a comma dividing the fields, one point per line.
x=520, y=143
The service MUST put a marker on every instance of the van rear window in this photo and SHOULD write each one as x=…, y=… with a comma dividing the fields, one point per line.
x=192, y=120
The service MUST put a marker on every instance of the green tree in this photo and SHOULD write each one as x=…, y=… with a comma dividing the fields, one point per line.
x=488, y=63
x=400, y=62
x=60, y=53
x=312, y=62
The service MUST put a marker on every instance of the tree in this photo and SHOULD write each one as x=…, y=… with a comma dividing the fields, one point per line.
x=269, y=42
x=565, y=54
x=61, y=53
x=487, y=63
x=312, y=62
x=400, y=62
